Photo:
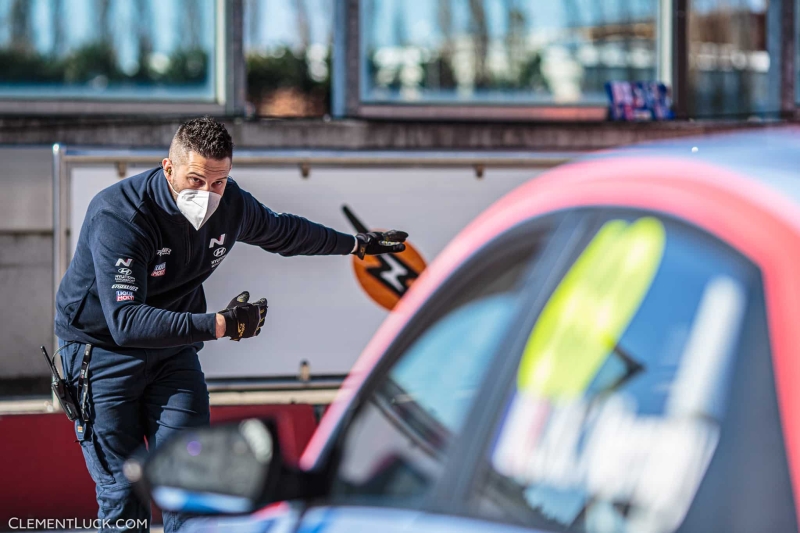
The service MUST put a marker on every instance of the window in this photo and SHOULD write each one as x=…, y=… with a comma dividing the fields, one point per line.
x=287, y=45
x=616, y=408
x=729, y=58
x=108, y=49
x=393, y=450
x=503, y=52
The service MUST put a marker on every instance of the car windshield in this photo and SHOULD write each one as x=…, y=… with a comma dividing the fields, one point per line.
x=442, y=370
x=397, y=444
x=394, y=449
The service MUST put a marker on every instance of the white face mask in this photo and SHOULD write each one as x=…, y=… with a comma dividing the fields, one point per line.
x=197, y=206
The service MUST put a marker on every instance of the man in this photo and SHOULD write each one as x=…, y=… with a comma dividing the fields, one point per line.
x=134, y=293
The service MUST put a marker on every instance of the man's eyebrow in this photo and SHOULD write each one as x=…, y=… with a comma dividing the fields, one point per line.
x=193, y=173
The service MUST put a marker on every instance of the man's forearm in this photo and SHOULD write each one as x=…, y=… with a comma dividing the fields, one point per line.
x=220, y=326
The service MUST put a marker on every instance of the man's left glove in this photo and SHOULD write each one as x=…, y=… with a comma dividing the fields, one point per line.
x=242, y=319
x=376, y=242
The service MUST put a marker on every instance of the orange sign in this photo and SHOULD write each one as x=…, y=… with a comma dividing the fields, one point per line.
x=386, y=278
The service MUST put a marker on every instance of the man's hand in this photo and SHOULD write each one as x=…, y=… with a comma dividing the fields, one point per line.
x=242, y=320
x=376, y=242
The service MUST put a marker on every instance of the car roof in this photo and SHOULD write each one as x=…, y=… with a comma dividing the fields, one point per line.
x=770, y=156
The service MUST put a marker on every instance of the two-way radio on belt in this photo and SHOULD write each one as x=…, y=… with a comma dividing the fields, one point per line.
x=62, y=390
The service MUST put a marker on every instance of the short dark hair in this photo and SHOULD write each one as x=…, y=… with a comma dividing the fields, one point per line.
x=204, y=136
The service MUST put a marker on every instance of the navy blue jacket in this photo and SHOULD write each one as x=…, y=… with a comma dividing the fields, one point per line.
x=136, y=279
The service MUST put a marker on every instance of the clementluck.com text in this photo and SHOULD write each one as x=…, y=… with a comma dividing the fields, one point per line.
x=75, y=523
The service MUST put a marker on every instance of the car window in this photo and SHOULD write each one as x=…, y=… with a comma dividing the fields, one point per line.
x=394, y=448
x=616, y=406
x=440, y=372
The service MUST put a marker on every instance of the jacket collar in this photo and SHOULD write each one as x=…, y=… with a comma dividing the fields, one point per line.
x=161, y=193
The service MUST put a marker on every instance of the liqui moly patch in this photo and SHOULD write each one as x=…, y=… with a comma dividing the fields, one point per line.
x=124, y=296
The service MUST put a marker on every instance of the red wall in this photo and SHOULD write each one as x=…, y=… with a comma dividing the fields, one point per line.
x=44, y=475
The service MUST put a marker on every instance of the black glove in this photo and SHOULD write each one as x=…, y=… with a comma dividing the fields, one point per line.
x=244, y=320
x=376, y=242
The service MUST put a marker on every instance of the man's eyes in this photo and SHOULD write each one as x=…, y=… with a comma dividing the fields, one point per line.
x=198, y=181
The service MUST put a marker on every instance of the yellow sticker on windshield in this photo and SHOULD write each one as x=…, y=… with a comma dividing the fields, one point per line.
x=591, y=308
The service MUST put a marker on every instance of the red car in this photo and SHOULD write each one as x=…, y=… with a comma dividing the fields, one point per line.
x=613, y=347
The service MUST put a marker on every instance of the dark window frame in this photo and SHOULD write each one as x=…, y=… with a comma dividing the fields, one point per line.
x=355, y=107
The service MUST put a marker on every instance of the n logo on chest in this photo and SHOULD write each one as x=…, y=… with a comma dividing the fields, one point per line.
x=217, y=242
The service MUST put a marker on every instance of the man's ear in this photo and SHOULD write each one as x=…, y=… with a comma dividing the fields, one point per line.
x=166, y=164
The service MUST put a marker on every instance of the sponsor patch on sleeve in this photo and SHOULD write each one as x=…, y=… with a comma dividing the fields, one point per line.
x=133, y=288
x=159, y=270
x=124, y=296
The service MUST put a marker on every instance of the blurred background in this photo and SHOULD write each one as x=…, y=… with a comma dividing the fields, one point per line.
x=428, y=94
x=417, y=114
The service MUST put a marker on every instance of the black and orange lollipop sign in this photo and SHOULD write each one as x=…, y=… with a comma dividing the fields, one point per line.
x=385, y=278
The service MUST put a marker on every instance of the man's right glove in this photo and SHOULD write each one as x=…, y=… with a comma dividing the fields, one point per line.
x=242, y=319
x=376, y=242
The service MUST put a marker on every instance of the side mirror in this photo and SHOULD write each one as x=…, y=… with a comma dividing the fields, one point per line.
x=224, y=469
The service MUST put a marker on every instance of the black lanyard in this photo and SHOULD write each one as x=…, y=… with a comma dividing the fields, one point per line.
x=83, y=392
